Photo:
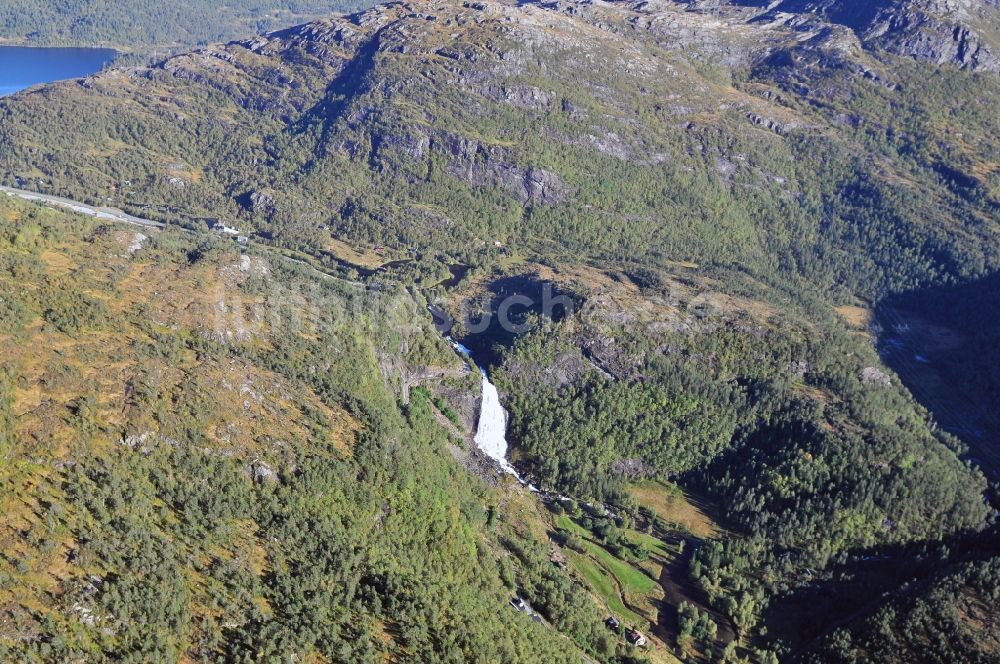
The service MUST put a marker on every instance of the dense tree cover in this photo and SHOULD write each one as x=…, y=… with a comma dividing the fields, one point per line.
x=136, y=25
x=696, y=624
x=572, y=435
x=177, y=523
x=796, y=183
x=807, y=459
x=941, y=620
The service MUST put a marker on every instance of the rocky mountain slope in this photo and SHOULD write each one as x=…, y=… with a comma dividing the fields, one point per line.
x=649, y=130
x=960, y=32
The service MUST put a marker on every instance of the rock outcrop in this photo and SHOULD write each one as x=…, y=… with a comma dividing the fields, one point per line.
x=958, y=32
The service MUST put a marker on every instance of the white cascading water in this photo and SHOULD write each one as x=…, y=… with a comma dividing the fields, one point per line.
x=491, y=434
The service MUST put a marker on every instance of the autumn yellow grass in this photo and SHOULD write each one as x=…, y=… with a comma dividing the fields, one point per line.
x=673, y=505
x=855, y=316
x=361, y=256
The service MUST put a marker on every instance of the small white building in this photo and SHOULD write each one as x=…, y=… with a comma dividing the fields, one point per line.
x=222, y=229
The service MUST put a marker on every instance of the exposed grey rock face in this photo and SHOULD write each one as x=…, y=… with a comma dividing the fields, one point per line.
x=262, y=203
x=138, y=242
x=632, y=468
x=527, y=96
x=262, y=473
x=480, y=164
x=875, y=376
x=798, y=368
x=935, y=39
x=542, y=186
x=410, y=143
x=960, y=32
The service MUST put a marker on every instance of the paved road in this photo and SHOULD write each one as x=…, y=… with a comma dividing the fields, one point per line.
x=109, y=214
x=116, y=215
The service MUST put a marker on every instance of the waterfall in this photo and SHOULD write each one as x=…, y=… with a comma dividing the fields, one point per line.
x=491, y=433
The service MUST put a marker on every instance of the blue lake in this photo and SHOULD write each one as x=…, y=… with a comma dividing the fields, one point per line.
x=22, y=67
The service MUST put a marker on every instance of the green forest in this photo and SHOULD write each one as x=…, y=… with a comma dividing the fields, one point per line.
x=763, y=429
x=813, y=465
x=148, y=25
x=180, y=493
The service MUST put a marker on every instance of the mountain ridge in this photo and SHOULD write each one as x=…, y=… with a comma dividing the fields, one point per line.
x=342, y=95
